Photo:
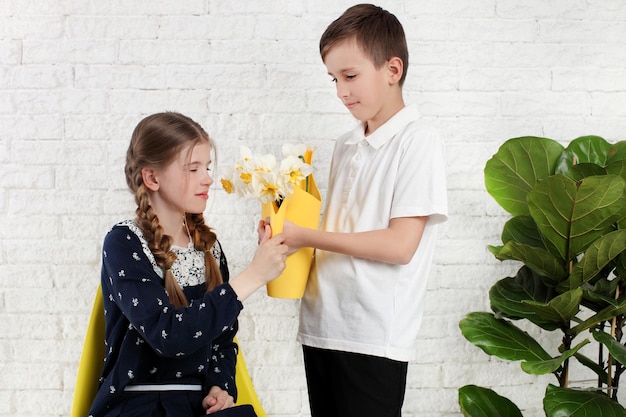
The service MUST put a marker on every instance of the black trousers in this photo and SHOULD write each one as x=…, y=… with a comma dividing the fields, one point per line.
x=344, y=384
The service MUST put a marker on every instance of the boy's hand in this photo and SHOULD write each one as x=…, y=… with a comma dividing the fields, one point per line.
x=291, y=231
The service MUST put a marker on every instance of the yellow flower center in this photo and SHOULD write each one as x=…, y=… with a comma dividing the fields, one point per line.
x=270, y=190
x=246, y=177
x=228, y=186
x=295, y=176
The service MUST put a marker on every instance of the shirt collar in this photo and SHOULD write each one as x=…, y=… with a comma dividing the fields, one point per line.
x=389, y=129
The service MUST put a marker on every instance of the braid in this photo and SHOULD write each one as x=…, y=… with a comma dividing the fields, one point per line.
x=204, y=239
x=160, y=245
x=157, y=141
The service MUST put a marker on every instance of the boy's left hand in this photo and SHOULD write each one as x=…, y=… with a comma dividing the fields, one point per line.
x=217, y=399
x=290, y=231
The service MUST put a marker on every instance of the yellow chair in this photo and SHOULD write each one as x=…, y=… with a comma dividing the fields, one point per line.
x=92, y=357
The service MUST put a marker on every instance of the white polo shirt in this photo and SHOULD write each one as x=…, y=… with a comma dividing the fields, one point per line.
x=362, y=306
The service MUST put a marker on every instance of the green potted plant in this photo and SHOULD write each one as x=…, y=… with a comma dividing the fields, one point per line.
x=568, y=232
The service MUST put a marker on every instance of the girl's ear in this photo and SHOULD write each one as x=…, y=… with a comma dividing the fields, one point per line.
x=150, y=179
x=395, y=69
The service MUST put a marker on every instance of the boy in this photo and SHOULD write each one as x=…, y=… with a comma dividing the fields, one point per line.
x=363, y=304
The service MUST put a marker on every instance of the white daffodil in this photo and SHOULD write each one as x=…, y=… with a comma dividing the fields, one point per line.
x=293, y=171
x=246, y=154
x=264, y=163
x=262, y=178
x=234, y=181
x=266, y=186
x=294, y=150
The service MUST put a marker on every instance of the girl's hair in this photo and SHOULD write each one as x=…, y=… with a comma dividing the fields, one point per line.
x=157, y=141
x=378, y=33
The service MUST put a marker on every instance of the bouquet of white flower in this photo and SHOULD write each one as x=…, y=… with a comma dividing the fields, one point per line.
x=287, y=191
x=261, y=177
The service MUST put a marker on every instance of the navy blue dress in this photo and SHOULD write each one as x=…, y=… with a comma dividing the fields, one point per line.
x=148, y=341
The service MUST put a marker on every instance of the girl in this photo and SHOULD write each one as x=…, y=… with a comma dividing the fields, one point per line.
x=171, y=311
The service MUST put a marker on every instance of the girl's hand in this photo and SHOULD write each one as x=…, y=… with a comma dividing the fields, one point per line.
x=290, y=233
x=271, y=255
x=260, y=230
x=268, y=262
x=217, y=399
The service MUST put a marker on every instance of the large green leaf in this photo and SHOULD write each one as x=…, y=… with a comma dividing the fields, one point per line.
x=525, y=296
x=551, y=365
x=580, y=171
x=585, y=149
x=565, y=402
x=560, y=309
x=618, y=351
x=617, y=152
x=477, y=401
x=617, y=168
x=500, y=338
x=620, y=264
x=571, y=215
x=539, y=260
x=605, y=314
x=602, y=294
x=597, y=256
x=522, y=229
x=592, y=365
x=515, y=169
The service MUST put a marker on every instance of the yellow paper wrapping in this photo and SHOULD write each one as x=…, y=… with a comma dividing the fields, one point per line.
x=301, y=208
x=92, y=360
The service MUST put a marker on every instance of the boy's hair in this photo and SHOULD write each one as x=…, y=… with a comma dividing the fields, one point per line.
x=377, y=32
x=156, y=141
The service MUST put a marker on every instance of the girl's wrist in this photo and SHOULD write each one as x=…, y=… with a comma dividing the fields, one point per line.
x=246, y=283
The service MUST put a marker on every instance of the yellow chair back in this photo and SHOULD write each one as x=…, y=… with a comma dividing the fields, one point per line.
x=92, y=360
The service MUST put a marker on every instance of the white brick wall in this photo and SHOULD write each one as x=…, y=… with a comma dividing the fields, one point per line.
x=77, y=75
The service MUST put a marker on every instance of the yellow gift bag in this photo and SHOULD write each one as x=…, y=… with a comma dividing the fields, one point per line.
x=301, y=208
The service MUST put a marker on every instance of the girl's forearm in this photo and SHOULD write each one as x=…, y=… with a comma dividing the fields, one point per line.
x=246, y=283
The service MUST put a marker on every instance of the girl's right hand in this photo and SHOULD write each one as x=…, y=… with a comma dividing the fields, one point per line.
x=270, y=257
x=260, y=229
x=268, y=262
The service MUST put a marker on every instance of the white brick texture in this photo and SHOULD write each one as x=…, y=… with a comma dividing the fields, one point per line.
x=77, y=75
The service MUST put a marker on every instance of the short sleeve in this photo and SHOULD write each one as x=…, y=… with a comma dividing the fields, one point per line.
x=420, y=188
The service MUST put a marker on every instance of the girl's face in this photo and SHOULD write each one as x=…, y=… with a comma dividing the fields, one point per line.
x=184, y=183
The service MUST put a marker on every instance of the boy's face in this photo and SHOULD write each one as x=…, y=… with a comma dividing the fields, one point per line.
x=362, y=88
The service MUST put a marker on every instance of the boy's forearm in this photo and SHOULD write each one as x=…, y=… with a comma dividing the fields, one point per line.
x=395, y=245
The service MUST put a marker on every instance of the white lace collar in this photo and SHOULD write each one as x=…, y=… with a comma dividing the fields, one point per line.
x=188, y=268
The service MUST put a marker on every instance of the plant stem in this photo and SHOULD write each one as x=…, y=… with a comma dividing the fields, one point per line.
x=609, y=367
x=564, y=377
x=600, y=353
